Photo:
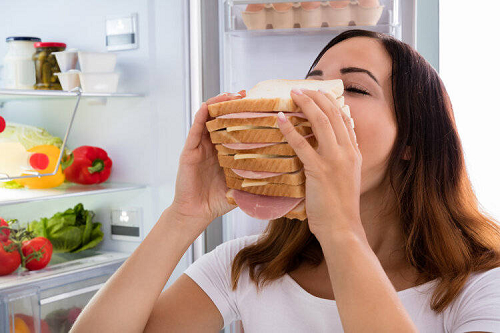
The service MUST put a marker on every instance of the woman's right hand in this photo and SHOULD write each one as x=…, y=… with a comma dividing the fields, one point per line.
x=200, y=187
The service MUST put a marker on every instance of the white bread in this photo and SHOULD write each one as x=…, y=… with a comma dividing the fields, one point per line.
x=274, y=95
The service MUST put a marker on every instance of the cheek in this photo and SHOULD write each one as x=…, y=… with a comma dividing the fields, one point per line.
x=376, y=133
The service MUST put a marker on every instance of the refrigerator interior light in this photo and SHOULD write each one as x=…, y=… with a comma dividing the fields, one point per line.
x=126, y=224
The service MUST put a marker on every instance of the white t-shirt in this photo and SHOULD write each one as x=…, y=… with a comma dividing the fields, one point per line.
x=284, y=306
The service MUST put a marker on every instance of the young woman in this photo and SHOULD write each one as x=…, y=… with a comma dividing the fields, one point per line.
x=394, y=241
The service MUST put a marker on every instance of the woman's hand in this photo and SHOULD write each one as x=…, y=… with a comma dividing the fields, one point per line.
x=333, y=170
x=200, y=187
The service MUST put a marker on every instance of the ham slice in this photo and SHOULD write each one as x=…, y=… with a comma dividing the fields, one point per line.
x=264, y=207
x=243, y=146
x=260, y=115
x=256, y=174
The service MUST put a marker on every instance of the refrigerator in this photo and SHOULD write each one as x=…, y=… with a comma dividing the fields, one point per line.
x=184, y=52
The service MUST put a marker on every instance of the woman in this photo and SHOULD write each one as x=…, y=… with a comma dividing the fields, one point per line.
x=394, y=239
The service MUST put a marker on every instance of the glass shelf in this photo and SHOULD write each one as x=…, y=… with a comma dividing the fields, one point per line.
x=62, y=264
x=13, y=94
x=15, y=196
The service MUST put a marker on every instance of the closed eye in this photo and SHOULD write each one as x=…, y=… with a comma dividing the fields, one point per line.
x=357, y=90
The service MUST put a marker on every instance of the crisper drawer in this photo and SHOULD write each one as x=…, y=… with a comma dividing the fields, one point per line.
x=51, y=305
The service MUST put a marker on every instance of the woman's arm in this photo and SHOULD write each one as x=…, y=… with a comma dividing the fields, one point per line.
x=125, y=302
x=365, y=297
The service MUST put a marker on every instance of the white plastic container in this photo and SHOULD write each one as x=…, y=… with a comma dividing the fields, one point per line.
x=69, y=80
x=19, y=67
x=97, y=62
x=99, y=82
x=66, y=60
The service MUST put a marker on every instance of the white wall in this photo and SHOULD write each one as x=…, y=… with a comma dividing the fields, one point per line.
x=143, y=136
x=469, y=56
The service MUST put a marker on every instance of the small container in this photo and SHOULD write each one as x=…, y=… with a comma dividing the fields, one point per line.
x=46, y=65
x=19, y=68
x=282, y=16
x=99, y=82
x=366, y=16
x=310, y=15
x=69, y=80
x=66, y=60
x=336, y=17
x=97, y=62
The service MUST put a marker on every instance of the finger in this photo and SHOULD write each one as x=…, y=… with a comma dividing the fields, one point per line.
x=332, y=111
x=226, y=97
x=302, y=148
x=197, y=129
x=320, y=123
x=348, y=121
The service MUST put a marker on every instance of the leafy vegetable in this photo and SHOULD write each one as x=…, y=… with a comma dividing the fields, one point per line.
x=29, y=136
x=69, y=231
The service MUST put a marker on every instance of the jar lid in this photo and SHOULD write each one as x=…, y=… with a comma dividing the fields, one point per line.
x=23, y=38
x=43, y=44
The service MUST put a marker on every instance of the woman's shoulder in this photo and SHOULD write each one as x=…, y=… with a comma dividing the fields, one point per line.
x=233, y=246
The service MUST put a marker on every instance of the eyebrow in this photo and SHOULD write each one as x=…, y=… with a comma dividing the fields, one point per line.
x=345, y=70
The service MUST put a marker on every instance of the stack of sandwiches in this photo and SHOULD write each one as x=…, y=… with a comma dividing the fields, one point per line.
x=263, y=173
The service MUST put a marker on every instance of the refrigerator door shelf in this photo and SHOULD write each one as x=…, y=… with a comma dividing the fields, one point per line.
x=243, y=15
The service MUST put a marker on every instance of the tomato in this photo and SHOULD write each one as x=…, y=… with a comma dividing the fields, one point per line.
x=4, y=233
x=10, y=259
x=40, y=251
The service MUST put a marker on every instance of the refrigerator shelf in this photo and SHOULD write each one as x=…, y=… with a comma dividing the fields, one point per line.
x=61, y=265
x=12, y=94
x=383, y=28
x=16, y=196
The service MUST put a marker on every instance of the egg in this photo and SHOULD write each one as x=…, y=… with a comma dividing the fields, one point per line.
x=369, y=3
x=282, y=6
x=339, y=4
x=310, y=5
x=255, y=7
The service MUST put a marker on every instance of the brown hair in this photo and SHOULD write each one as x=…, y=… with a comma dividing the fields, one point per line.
x=446, y=236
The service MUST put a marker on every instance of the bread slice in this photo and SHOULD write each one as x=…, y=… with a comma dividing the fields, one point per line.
x=278, y=149
x=258, y=135
x=275, y=190
x=271, y=121
x=292, y=178
x=270, y=164
x=299, y=212
x=274, y=95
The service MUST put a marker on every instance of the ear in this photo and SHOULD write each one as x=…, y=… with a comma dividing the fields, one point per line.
x=407, y=153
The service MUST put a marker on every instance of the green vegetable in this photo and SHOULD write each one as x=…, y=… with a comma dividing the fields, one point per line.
x=29, y=136
x=69, y=231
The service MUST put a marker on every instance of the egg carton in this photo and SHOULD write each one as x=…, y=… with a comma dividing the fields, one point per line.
x=327, y=14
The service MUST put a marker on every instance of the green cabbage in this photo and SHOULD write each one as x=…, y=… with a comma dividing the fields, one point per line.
x=29, y=136
x=70, y=231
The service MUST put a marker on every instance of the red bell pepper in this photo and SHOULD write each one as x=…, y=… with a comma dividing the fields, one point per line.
x=88, y=165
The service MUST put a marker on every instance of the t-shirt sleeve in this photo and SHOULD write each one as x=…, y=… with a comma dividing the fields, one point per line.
x=477, y=307
x=212, y=272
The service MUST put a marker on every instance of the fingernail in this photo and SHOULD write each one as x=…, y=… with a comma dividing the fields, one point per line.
x=281, y=117
x=234, y=94
x=323, y=91
x=297, y=91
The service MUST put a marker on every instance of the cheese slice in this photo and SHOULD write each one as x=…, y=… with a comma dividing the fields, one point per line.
x=253, y=182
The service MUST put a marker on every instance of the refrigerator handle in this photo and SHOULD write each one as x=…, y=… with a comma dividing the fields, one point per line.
x=196, y=79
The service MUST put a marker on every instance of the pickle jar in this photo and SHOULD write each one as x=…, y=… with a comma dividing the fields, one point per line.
x=46, y=65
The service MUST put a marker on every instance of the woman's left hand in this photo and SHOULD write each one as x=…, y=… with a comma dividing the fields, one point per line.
x=333, y=170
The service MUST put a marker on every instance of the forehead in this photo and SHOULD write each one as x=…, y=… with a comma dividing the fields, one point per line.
x=363, y=52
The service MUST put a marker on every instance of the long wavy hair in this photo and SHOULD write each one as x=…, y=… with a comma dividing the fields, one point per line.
x=446, y=236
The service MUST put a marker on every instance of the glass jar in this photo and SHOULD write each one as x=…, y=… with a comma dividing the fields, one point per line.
x=19, y=68
x=46, y=65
